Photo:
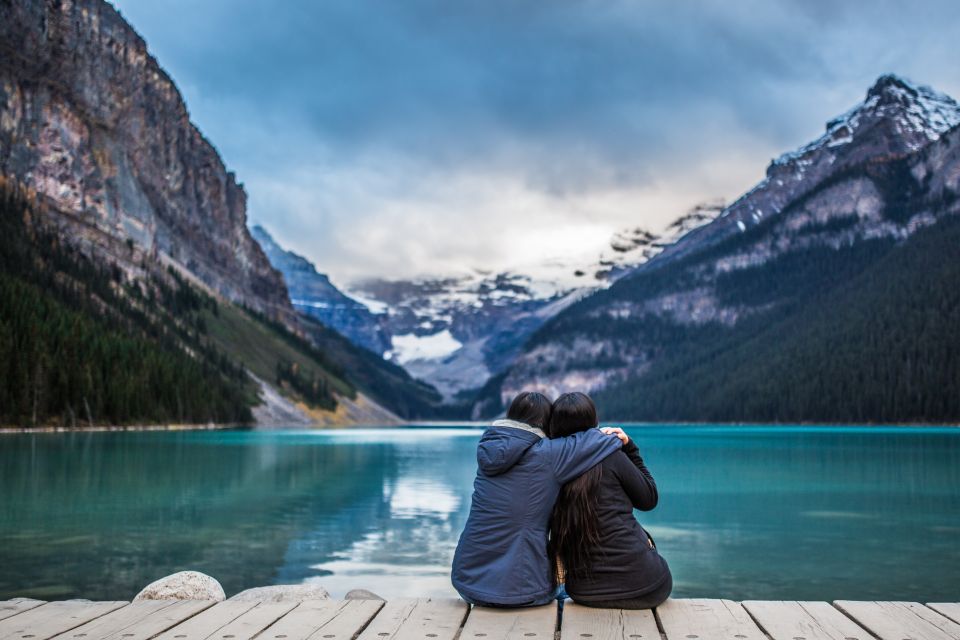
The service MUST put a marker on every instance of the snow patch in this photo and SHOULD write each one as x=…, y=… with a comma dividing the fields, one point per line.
x=410, y=347
x=375, y=306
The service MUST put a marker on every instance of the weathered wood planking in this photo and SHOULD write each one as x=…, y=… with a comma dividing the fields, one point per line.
x=206, y=623
x=17, y=605
x=138, y=620
x=804, y=621
x=900, y=620
x=707, y=620
x=254, y=621
x=53, y=618
x=449, y=619
x=948, y=609
x=420, y=619
x=488, y=623
x=231, y=619
x=580, y=622
x=326, y=619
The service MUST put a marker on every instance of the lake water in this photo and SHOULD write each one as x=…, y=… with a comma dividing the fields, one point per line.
x=745, y=512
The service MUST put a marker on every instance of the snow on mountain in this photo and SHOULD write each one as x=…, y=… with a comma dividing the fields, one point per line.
x=313, y=293
x=881, y=172
x=920, y=113
x=895, y=119
x=457, y=332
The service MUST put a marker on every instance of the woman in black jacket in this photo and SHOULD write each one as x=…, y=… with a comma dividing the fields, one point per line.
x=609, y=560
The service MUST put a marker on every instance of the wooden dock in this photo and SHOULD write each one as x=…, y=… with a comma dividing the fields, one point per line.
x=450, y=619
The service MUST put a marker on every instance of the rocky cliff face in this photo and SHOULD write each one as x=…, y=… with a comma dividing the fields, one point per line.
x=313, y=294
x=92, y=124
x=882, y=172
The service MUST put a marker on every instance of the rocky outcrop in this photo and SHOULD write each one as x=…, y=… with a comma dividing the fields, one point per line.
x=183, y=585
x=92, y=124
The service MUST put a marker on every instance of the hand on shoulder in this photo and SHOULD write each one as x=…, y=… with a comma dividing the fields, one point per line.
x=617, y=431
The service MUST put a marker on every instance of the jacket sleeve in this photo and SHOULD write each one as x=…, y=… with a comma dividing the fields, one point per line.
x=635, y=478
x=572, y=455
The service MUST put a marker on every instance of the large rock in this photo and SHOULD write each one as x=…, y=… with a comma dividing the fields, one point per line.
x=183, y=585
x=283, y=593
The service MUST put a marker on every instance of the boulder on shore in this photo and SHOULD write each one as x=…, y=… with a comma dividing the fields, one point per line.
x=283, y=593
x=361, y=594
x=183, y=585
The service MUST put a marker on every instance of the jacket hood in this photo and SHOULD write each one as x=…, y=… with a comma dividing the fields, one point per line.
x=503, y=444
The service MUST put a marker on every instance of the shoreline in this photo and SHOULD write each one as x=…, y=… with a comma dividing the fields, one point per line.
x=458, y=424
x=212, y=426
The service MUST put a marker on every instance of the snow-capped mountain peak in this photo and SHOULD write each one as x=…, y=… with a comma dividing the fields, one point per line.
x=919, y=114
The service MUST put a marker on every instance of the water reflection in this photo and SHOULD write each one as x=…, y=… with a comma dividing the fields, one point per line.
x=745, y=512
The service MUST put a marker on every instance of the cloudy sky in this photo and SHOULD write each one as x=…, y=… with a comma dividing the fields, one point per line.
x=403, y=137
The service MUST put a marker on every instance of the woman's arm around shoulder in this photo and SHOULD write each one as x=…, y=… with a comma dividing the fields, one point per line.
x=574, y=454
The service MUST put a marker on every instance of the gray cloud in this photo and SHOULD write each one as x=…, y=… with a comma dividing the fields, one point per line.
x=451, y=125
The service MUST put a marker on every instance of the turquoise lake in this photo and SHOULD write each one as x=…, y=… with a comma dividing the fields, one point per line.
x=778, y=513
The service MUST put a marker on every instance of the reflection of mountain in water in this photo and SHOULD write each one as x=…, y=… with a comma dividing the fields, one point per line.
x=101, y=515
x=402, y=540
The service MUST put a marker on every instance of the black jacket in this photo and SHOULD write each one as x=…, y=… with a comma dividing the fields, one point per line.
x=625, y=565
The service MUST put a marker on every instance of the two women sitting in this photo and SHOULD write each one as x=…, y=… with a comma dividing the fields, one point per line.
x=554, y=497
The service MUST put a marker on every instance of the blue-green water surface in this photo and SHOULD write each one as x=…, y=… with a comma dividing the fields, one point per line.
x=745, y=512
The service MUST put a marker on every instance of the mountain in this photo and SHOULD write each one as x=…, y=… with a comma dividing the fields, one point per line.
x=455, y=333
x=354, y=337
x=313, y=294
x=827, y=292
x=95, y=127
x=81, y=343
x=458, y=332
x=131, y=291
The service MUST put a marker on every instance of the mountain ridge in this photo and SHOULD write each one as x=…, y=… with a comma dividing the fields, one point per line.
x=877, y=189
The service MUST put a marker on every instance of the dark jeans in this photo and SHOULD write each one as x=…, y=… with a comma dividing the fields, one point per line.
x=559, y=594
x=646, y=601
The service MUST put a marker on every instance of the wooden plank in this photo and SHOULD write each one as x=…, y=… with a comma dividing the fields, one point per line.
x=115, y=620
x=53, y=618
x=580, y=622
x=488, y=623
x=340, y=619
x=900, y=620
x=208, y=622
x=351, y=620
x=804, y=621
x=17, y=605
x=702, y=619
x=251, y=623
x=161, y=620
x=417, y=619
x=949, y=609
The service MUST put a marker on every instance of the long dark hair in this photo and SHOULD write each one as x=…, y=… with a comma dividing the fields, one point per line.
x=532, y=408
x=573, y=526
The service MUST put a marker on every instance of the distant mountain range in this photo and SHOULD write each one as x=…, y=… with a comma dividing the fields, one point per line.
x=457, y=332
x=650, y=326
x=828, y=292
x=133, y=291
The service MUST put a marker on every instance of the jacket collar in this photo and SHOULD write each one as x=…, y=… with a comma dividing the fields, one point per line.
x=513, y=424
